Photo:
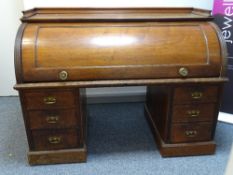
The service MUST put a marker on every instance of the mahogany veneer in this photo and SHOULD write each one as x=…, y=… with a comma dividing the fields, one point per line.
x=178, y=53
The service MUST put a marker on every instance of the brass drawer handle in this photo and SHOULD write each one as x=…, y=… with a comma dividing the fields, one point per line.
x=193, y=113
x=54, y=140
x=63, y=75
x=196, y=95
x=52, y=119
x=50, y=100
x=183, y=71
x=191, y=133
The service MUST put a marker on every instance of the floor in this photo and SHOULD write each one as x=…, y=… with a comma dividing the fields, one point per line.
x=119, y=143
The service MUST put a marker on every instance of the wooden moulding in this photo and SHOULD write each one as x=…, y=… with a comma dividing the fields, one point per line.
x=57, y=156
x=180, y=149
x=115, y=14
x=104, y=83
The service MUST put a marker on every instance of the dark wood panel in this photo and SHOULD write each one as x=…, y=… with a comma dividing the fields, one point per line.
x=159, y=105
x=194, y=112
x=55, y=139
x=55, y=118
x=49, y=98
x=191, y=94
x=191, y=132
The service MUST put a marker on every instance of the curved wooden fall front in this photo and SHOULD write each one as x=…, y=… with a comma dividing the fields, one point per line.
x=118, y=50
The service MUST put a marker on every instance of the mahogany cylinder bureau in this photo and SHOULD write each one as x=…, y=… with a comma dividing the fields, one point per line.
x=178, y=53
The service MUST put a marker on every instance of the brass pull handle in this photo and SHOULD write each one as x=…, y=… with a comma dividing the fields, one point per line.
x=50, y=100
x=52, y=119
x=193, y=113
x=54, y=140
x=196, y=95
x=63, y=75
x=191, y=133
x=183, y=71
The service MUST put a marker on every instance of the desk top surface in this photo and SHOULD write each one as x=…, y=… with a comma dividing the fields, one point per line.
x=115, y=14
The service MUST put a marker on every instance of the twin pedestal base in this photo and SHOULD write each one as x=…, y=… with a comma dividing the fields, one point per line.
x=182, y=118
x=166, y=150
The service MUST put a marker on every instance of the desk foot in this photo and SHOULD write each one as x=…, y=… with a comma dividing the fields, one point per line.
x=57, y=156
x=179, y=149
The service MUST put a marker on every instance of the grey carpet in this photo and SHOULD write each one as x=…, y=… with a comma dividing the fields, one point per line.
x=119, y=143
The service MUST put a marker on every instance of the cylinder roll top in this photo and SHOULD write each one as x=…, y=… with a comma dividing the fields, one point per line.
x=100, y=50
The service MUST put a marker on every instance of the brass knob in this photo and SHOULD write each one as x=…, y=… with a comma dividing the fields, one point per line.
x=191, y=133
x=63, y=75
x=54, y=140
x=52, y=119
x=183, y=71
x=193, y=113
x=50, y=100
x=196, y=95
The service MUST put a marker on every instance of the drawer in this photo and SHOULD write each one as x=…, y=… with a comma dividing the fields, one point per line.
x=183, y=95
x=194, y=112
x=49, y=98
x=53, y=118
x=191, y=132
x=55, y=139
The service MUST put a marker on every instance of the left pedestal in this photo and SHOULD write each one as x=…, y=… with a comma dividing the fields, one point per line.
x=55, y=124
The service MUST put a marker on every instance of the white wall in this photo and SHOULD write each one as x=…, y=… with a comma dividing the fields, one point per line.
x=10, y=14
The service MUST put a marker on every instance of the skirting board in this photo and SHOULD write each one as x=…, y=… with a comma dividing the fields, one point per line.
x=225, y=117
x=116, y=98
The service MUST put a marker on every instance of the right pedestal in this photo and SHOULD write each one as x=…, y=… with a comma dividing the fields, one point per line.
x=183, y=118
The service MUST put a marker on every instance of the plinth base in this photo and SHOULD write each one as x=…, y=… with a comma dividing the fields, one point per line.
x=57, y=156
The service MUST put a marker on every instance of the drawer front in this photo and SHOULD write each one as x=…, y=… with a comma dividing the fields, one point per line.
x=55, y=139
x=184, y=95
x=46, y=99
x=193, y=113
x=191, y=132
x=53, y=119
